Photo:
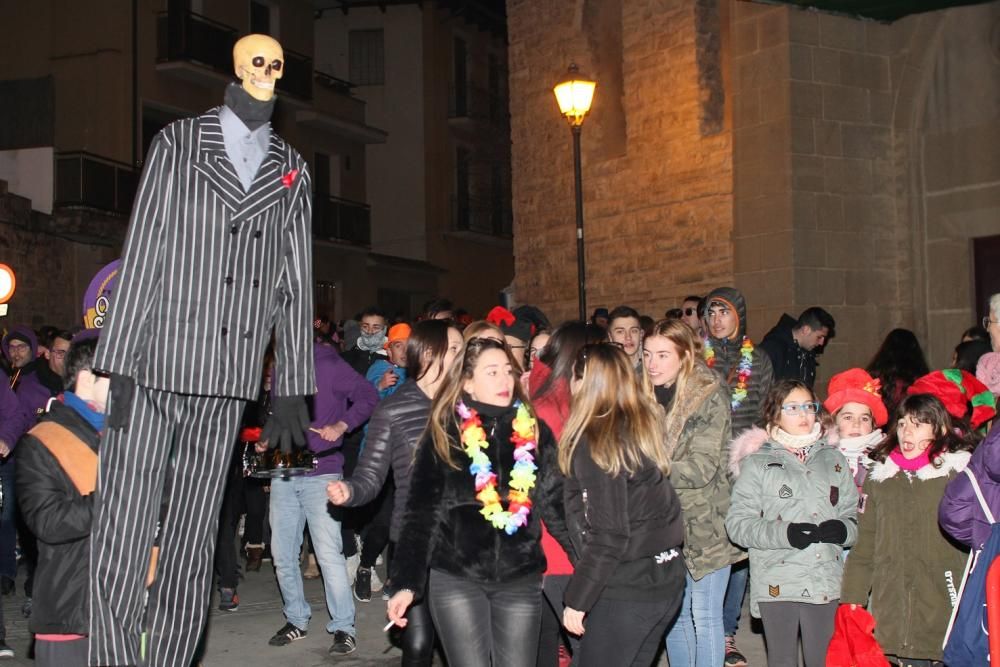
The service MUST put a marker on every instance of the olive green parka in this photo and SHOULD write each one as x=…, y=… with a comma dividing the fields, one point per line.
x=698, y=433
x=904, y=560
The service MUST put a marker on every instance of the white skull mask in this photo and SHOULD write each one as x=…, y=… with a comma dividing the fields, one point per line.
x=259, y=62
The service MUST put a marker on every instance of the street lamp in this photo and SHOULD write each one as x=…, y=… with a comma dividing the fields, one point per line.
x=575, y=96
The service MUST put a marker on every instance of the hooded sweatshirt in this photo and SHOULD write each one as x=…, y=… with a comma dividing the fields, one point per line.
x=727, y=361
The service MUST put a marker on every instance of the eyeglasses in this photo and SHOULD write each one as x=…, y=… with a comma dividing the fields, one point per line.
x=987, y=322
x=59, y=354
x=15, y=345
x=800, y=408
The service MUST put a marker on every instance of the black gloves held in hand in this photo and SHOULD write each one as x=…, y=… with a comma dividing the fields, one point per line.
x=801, y=535
x=832, y=531
x=287, y=423
x=121, y=392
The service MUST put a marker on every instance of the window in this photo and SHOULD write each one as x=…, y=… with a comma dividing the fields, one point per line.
x=461, y=78
x=366, y=53
x=494, y=87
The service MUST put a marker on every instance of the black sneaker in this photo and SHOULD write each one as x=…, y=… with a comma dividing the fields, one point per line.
x=286, y=635
x=229, y=600
x=5, y=651
x=343, y=643
x=363, y=585
x=734, y=658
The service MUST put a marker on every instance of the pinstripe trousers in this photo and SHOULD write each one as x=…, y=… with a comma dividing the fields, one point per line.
x=183, y=444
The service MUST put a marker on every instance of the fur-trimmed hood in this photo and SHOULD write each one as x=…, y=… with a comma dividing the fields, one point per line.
x=700, y=385
x=949, y=462
x=752, y=439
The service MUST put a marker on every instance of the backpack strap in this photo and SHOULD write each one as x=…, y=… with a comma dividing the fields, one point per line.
x=979, y=495
x=77, y=460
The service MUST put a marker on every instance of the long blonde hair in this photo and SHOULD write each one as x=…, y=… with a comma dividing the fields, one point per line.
x=689, y=348
x=443, y=413
x=623, y=425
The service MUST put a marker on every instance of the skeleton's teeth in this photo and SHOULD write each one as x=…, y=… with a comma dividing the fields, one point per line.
x=266, y=85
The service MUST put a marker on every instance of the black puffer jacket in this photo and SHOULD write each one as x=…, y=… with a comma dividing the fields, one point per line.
x=61, y=518
x=727, y=361
x=394, y=431
x=626, y=532
x=789, y=361
x=442, y=525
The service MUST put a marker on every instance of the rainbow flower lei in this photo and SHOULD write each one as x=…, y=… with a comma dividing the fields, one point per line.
x=743, y=370
x=522, y=477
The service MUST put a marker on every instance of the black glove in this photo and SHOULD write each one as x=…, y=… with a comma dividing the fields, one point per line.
x=832, y=531
x=287, y=423
x=121, y=391
x=801, y=535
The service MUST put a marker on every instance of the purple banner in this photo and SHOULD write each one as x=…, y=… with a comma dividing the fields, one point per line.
x=98, y=296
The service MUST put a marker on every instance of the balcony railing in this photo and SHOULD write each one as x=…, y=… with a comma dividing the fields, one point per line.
x=83, y=179
x=190, y=37
x=196, y=38
x=483, y=215
x=337, y=219
x=333, y=83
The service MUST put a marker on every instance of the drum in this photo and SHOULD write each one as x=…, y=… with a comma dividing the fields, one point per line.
x=275, y=463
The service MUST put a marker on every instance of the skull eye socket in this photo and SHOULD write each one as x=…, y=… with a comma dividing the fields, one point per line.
x=276, y=65
x=258, y=61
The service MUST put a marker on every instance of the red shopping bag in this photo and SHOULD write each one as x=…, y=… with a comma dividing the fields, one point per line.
x=853, y=643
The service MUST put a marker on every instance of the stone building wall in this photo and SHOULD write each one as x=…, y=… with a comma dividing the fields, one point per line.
x=852, y=165
x=657, y=156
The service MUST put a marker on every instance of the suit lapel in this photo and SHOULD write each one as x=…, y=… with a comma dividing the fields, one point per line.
x=213, y=163
x=269, y=186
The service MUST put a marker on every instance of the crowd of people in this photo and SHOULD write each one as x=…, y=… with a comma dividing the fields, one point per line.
x=549, y=495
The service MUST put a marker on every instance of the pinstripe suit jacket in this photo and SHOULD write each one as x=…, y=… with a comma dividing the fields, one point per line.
x=210, y=269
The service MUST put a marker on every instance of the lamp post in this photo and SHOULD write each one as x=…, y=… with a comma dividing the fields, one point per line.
x=575, y=96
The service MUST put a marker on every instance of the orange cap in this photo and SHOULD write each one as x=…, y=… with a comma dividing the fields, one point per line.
x=399, y=331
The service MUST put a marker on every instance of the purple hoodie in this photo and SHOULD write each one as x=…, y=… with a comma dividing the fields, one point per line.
x=341, y=395
x=13, y=421
x=959, y=513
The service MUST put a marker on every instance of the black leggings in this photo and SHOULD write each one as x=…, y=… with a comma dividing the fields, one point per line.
x=417, y=638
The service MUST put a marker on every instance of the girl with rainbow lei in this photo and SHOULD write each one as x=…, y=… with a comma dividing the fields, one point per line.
x=484, y=475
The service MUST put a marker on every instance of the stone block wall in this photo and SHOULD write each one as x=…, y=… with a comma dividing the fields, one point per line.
x=53, y=262
x=657, y=152
x=815, y=219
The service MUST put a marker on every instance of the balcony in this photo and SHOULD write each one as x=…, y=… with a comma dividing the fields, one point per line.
x=196, y=49
x=341, y=220
x=474, y=104
x=90, y=181
x=482, y=215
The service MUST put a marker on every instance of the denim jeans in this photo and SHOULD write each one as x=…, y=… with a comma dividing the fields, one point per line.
x=476, y=620
x=296, y=501
x=696, y=637
x=733, y=606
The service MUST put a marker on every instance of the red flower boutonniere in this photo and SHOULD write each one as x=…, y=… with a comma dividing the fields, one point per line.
x=289, y=178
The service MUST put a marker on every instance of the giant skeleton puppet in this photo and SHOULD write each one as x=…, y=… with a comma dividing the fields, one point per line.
x=217, y=257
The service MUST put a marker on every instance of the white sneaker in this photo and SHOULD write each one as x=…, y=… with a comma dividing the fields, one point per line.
x=353, y=562
x=376, y=582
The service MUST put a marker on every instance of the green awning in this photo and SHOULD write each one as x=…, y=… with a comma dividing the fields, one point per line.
x=880, y=10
